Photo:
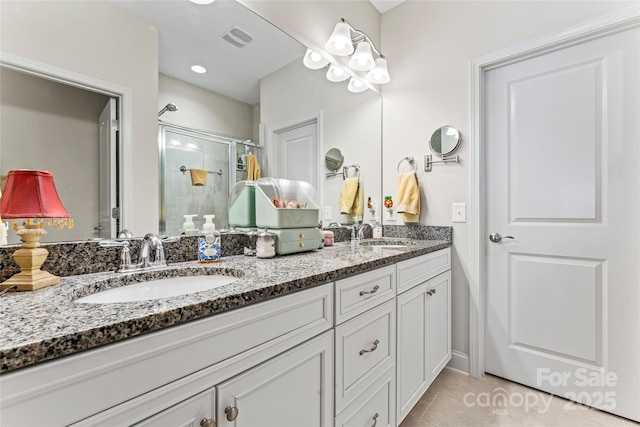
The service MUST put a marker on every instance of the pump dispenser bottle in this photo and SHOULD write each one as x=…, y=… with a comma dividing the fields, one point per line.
x=209, y=249
x=188, y=226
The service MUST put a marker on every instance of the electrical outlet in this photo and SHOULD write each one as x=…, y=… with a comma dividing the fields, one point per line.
x=459, y=212
x=327, y=213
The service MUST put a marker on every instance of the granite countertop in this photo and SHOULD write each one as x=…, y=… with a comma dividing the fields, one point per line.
x=47, y=324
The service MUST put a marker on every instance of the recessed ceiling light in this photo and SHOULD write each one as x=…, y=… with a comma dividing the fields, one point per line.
x=198, y=69
x=202, y=1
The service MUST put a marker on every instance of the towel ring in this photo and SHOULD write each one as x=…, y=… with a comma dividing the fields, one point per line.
x=345, y=171
x=411, y=161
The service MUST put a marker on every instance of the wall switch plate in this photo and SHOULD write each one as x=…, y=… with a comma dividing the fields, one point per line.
x=390, y=214
x=327, y=212
x=459, y=212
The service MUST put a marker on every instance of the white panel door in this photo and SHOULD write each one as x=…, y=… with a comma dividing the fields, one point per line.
x=108, y=199
x=299, y=153
x=563, y=139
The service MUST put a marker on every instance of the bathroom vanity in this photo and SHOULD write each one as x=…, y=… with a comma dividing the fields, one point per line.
x=347, y=335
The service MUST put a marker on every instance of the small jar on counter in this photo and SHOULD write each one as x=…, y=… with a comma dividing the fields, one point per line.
x=266, y=244
x=328, y=237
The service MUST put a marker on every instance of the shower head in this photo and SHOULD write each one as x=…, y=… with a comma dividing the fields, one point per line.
x=168, y=107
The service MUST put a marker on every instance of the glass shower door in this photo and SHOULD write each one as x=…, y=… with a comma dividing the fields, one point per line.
x=181, y=150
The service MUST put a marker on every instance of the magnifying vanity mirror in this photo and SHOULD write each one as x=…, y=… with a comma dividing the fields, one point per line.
x=334, y=159
x=445, y=141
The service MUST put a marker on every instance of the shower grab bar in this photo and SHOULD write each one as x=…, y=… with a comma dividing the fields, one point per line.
x=184, y=170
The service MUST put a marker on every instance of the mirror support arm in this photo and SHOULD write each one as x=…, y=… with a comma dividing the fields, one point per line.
x=428, y=162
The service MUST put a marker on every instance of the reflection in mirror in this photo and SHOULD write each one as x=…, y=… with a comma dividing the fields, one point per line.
x=238, y=112
x=333, y=159
x=445, y=141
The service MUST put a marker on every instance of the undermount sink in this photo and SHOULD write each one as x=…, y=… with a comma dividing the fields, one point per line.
x=159, y=288
x=386, y=243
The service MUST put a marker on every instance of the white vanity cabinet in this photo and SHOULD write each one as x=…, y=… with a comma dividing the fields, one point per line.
x=424, y=325
x=294, y=389
x=365, y=335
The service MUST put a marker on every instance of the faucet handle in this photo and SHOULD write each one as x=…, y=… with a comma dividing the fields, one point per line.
x=125, y=254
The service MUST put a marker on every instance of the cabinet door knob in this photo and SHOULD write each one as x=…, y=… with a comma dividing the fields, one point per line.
x=372, y=291
x=207, y=422
x=375, y=420
x=373, y=348
x=232, y=413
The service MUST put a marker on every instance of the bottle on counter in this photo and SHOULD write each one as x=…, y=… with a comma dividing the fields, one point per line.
x=209, y=249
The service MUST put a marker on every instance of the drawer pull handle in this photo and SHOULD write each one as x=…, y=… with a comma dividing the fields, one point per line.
x=232, y=413
x=302, y=235
x=375, y=346
x=372, y=291
x=375, y=420
x=207, y=422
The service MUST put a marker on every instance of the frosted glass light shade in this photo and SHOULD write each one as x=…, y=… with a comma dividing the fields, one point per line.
x=356, y=85
x=314, y=60
x=362, y=59
x=380, y=73
x=340, y=41
x=336, y=74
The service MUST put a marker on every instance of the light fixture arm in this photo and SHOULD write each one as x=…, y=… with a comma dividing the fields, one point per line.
x=361, y=35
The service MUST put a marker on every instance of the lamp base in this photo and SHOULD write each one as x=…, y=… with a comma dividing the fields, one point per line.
x=30, y=257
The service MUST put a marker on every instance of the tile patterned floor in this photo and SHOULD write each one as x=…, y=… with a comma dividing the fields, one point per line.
x=458, y=400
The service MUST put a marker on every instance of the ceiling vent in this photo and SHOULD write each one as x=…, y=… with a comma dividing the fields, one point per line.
x=237, y=37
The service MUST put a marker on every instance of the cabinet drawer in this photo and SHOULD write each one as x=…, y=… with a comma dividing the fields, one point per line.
x=414, y=271
x=365, y=347
x=360, y=293
x=376, y=406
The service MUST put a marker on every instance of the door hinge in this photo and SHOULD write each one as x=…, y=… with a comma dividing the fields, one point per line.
x=115, y=124
x=115, y=213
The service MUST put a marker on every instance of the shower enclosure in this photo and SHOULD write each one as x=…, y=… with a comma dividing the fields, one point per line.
x=221, y=156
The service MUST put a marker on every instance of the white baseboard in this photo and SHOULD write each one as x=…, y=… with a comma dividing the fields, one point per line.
x=459, y=361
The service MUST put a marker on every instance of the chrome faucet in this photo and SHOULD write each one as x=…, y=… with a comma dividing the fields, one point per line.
x=360, y=235
x=151, y=252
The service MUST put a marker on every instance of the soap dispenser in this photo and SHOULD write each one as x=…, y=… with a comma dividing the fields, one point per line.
x=209, y=245
x=188, y=226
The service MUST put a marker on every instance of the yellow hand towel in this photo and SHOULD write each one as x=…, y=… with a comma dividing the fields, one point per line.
x=357, y=210
x=198, y=177
x=409, y=197
x=253, y=168
x=348, y=195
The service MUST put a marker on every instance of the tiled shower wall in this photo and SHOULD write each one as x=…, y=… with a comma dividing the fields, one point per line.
x=181, y=197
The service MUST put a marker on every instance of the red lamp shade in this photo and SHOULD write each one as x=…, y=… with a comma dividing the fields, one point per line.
x=31, y=194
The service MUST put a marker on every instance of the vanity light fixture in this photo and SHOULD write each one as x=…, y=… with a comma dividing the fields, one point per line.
x=356, y=85
x=362, y=59
x=366, y=61
x=336, y=74
x=202, y=2
x=31, y=196
x=314, y=60
x=198, y=69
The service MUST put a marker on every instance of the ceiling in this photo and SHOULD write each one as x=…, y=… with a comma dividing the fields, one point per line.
x=385, y=5
x=190, y=34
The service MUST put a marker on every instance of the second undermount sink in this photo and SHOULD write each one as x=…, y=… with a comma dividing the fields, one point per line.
x=158, y=288
x=386, y=243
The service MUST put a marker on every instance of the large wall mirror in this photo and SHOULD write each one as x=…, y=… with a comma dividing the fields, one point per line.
x=289, y=93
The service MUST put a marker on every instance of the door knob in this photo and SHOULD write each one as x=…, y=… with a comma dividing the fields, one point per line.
x=207, y=422
x=497, y=238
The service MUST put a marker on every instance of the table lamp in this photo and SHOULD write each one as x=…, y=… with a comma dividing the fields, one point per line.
x=31, y=196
